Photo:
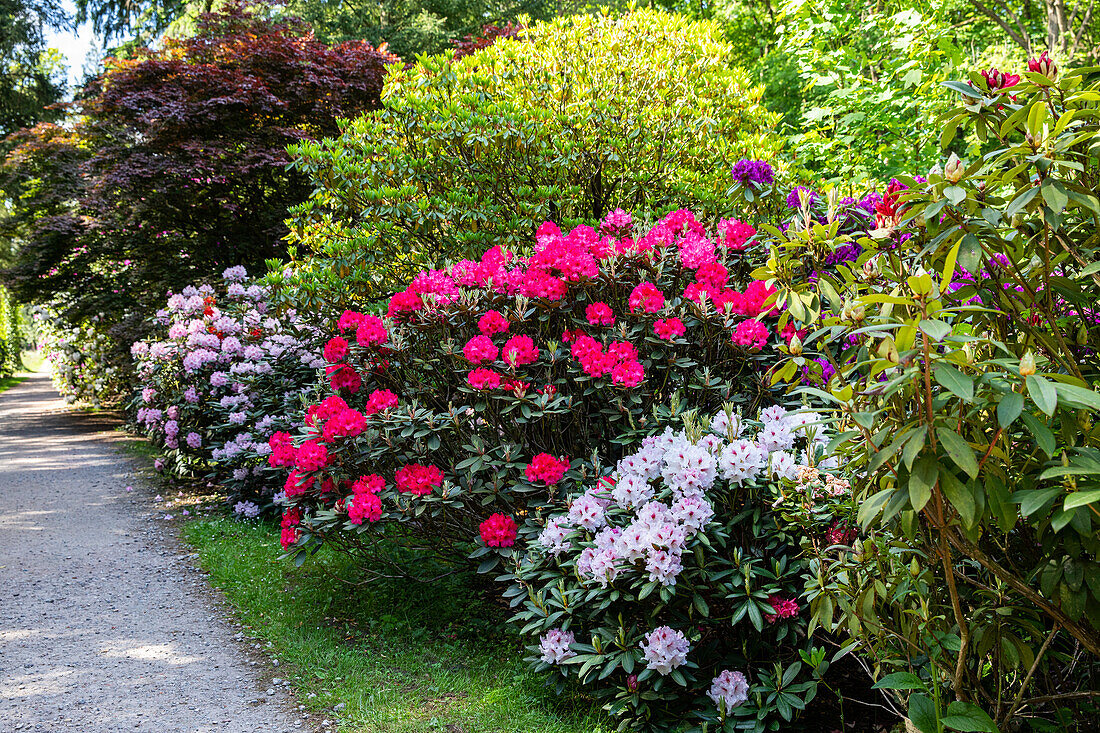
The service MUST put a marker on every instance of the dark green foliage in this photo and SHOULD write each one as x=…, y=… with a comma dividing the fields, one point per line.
x=29, y=80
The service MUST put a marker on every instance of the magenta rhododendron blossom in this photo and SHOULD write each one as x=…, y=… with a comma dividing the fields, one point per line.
x=492, y=323
x=380, y=400
x=546, y=469
x=783, y=607
x=519, y=350
x=499, y=530
x=336, y=350
x=417, y=479
x=483, y=379
x=669, y=328
x=480, y=349
x=599, y=314
x=752, y=335
x=371, y=331
x=647, y=297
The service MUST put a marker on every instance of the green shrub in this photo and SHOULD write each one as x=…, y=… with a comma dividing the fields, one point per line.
x=564, y=123
x=965, y=343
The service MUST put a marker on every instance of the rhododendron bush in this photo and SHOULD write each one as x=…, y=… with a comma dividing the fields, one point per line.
x=83, y=359
x=488, y=384
x=673, y=587
x=223, y=375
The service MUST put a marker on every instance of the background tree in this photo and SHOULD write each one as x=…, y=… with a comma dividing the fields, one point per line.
x=31, y=79
x=193, y=139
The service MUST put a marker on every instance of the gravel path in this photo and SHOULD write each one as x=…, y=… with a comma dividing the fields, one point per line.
x=103, y=626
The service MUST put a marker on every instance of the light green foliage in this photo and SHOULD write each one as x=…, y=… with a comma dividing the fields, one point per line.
x=11, y=334
x=871, y=86
x=584, y=115
x=967, y=368
x=403, y=657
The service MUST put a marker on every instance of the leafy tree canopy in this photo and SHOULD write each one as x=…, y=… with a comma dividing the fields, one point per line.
x=31, y=78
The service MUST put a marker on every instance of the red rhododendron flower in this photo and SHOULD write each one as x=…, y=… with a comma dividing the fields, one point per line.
x=840, y=534
x=404, y=302
x=734, y=234
x=291, y=518
x=545, y=468
x=751, y=334
x=342, y=376
x=371, y=484
x=789, y=332
x=335, y=350
x=784, y=608
x=330, y=407
x=364, y=507
x=349, y=319
x=646, y=297
x=519, y=350
x=599, y=314
x=283, y=452
x=296, y=483
x=371, y=331
x=669, y=328
x=380, y=400
x=628, y=374
x=417, y=479
x=345, y=424
x=312, y=456
x=499, y=530
x=483, y=379
x=493, y=322
x=517, y=386
x=479, y=350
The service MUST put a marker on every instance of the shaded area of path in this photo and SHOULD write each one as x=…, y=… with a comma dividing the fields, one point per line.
x=100, y=629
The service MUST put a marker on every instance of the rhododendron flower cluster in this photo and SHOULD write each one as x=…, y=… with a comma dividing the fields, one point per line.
x=499, y=530
x=417, y=479
x=223, y=382
x=690, y=516
x=546, y=469
x=554, y=646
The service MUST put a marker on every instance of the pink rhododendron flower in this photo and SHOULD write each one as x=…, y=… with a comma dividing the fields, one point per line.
x=734, y=234
x=380, y=400
x=750, y=334
x=646, y=297
x=669, y=328
x=291, y=518
x=371, y=484
x=417, y=479
x=599, y=314
x=493, y=322
x=479, y=350
x=519, y=350
x=783, y=607
x=404, y=302
x=617, y=222
x=297, y=484
x=335, y=350
x=483, y=379
x=312, y=456
x=349, y=319
x=283, y=452
x=545, y=468
x=499, y=530
x=728, y=690
x=371, y=331
x=696, y=251
x=345, y=424
x=343, y=377
x=665, y=649
x=364, y=506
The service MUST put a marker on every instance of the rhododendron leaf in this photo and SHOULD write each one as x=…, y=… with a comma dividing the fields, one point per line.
x=959, y=450
x=921, y=481
x=960, y=496
x=1055, y=196
x=900, y=681
x=1042, y=393
x=1009, y=408
x=1077, y=397
x=1032, y=500
x=1022, y=200
x=1082, y=498
x=1040, y=432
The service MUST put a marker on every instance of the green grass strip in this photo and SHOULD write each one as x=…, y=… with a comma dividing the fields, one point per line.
x=401, y=656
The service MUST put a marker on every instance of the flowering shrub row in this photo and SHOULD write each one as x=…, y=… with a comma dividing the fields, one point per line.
x=223, y=375
x=673, y=587
x=489, y=382
x=82, y=360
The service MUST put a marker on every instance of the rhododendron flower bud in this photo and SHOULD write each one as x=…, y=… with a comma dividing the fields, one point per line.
x=545, y=468
x=795, y=345
x=1043, y=65
x=632, y=682
x=953, y=170
x=998, y=80
x=499, y=530
x=1027, y=365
